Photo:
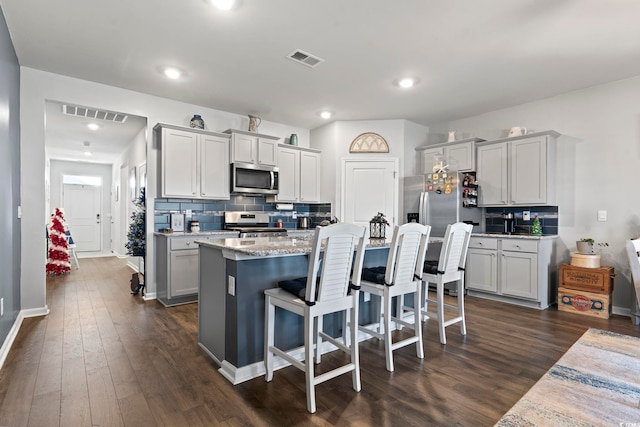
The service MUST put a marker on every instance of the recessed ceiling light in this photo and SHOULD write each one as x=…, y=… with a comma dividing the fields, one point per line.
x=407, y=82
x=326, y=114
x=223, y=4
x=172, y=73
x=93, y=126
x=87, y=153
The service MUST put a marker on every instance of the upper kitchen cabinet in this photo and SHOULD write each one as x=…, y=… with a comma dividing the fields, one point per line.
x=193, y=163
x=299, y=175
x=254, y=148
x=461, y=155
x=518, y=170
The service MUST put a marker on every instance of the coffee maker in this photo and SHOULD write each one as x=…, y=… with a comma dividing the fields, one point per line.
x=509, y=222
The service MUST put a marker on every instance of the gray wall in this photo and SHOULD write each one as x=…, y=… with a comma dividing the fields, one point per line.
x=10, y=179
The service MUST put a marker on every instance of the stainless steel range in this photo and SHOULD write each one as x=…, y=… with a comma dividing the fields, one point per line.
x=251, y=224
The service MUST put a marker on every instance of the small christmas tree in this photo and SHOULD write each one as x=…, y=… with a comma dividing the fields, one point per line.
x=136, y=244
x=136, y=235
x=58, y=262
x=536, y=228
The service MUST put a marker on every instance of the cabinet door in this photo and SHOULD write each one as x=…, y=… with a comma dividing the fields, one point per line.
x=519, y=274
x=214, y=167
x=427, y=158
x=244, y=148
x=179, y=163
x=481, y=271
x=529, y=171
x=289, y=175
x=267, y=152
x=461, y=157
x=309, y=177
x=492, y=175
x=184, y=273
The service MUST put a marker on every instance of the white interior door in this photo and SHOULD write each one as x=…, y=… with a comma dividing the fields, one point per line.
x=369, y=187
x=83, y=214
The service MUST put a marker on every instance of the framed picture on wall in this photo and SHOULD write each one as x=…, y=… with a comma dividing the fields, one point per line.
x=133, y=195
x=142, y=176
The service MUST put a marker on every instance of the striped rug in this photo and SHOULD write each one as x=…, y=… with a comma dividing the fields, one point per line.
x=595, y=383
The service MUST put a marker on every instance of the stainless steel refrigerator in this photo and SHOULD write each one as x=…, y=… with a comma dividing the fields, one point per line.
x=435, y=199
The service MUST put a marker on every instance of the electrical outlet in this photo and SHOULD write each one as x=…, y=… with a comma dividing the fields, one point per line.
x=367, y=297
x=294, y=215
x=189, y=213
x=526, y=215
x=232, y=286
x=602, y=216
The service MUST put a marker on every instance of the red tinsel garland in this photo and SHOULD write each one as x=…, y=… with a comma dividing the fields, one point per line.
x=58, y=248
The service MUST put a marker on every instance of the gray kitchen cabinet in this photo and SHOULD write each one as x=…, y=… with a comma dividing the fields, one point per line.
x=250, y=147
x=517, y=171
x=299, y=175
x=177, y=264
x=511, y=269
x=193, y=163
x=461, y=155
x=482, y=261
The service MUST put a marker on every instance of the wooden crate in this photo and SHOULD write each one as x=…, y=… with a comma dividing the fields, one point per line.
x=597, y=280
x=589, y=303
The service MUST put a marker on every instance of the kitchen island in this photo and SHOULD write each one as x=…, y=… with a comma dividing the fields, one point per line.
x=233, y=276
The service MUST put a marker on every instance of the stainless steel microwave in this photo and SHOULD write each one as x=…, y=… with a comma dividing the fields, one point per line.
x=254, y=179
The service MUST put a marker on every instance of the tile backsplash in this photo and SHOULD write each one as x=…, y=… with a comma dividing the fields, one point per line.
x=548, y=218
x=210, y=213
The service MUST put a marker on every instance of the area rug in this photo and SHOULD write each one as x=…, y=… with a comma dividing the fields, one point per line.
x=595, y=383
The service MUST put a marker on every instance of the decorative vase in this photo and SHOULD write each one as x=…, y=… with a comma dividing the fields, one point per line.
x=254, y=122
x=452, y=136
x=585, y=248
x=293, y=139
x=196, y=122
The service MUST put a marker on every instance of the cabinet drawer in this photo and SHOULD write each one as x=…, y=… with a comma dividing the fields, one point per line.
x=483, y=243
x=182, y=243
x=516, y=245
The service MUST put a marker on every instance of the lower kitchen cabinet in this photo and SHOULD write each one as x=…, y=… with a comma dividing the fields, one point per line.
x=515, y=270
x=177, y=266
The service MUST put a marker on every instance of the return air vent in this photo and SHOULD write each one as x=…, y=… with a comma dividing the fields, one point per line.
x=93, y=113
x=305, y=58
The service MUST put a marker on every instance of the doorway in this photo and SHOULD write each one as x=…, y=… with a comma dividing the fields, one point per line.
x=369, y=186
x=83, y=214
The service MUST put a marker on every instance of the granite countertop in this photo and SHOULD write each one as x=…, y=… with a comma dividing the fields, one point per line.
x=515, y=236
x=275, y=246
x=200, y=233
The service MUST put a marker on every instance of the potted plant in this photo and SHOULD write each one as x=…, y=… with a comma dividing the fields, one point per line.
x=377, y=226
x=585, y=245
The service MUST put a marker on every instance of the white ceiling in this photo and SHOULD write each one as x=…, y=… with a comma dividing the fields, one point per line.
x=65, y=136
x=471, y=56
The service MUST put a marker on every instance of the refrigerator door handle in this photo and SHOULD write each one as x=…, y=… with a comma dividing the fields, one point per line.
x=422, y=212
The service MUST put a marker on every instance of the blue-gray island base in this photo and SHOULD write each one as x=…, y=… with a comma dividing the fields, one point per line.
x=233, y=276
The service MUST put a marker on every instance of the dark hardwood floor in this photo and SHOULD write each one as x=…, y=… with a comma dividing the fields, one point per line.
x=103, y=357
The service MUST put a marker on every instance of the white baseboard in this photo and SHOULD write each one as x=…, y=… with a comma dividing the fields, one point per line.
x=13, y=332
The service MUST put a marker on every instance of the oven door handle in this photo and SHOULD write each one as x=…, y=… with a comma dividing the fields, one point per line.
x=273, y=179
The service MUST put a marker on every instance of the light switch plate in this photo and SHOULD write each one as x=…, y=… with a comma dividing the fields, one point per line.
x=602, y=216
x=232, y=286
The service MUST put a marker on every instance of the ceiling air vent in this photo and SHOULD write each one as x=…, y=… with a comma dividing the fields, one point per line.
x=92, y=113
x=305, y=58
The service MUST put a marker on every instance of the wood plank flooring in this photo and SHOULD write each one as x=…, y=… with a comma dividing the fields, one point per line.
x=103, y=357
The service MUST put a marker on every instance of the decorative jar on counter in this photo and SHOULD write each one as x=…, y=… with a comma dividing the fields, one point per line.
x=195, y=226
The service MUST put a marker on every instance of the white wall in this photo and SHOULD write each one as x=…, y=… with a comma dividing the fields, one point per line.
x=60, y=168
x=598, y=163
x=335, y=139
x=134, y=155
x=36, y=88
